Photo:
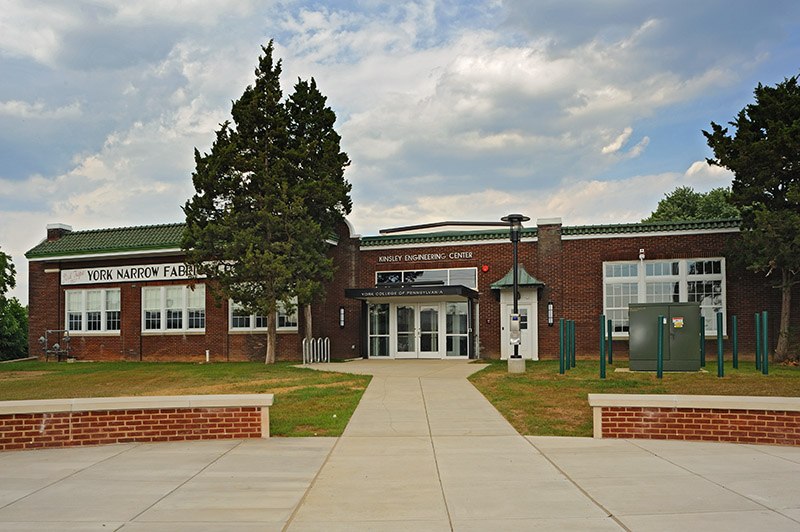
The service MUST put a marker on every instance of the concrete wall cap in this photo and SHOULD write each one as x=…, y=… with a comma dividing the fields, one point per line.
x=153, y=402
x=548, y=221
x=731, y=402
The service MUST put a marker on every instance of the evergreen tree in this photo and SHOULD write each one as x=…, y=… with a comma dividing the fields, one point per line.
x=764, y=155
x=258, y=221
x=318, y=176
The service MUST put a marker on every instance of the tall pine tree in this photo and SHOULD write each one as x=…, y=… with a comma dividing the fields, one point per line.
x=258, y=221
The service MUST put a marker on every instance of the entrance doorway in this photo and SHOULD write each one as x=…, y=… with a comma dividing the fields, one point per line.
x=417, y=330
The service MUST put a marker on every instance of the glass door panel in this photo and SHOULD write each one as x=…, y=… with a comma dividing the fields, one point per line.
x=457, y=329
x=406, y=330
x=429, y=330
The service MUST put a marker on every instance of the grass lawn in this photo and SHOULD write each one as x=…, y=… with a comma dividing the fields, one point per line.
x=541, y=402
x=307, y=402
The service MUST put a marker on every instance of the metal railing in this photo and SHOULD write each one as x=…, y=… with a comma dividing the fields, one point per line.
x=316, y=350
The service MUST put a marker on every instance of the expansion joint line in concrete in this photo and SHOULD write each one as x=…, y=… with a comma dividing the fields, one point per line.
x=578, y=486
x=310, y=486
x=56, y=481
x=176, y=488
x=435, y=458
x=726, y=488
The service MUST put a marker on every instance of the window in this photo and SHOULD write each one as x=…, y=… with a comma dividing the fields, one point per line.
x=453, y=276
x=673, y=281
x=174, y=308
x=93, y=311
x=457, y=329
x=240, y=320
x=378, y=329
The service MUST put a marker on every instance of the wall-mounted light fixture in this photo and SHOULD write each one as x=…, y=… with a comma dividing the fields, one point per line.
x=341, y=317
x=549, y=313
x=641, y=254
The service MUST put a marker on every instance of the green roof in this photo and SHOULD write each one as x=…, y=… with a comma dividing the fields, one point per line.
x=168, y=236
x=118, y=240
x=523, y=279
x=456, y=237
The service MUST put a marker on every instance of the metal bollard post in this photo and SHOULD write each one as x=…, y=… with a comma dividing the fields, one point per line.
x=574, y=348
x=735, y=338
x=702, y=341
x=561, y=339
x=720, y=360
x=602, y=346
x=765, y=346
x=660, y=355
x=610, y=349
x=758, y=341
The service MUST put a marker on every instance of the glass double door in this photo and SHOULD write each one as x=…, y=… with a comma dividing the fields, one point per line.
x=417, y=330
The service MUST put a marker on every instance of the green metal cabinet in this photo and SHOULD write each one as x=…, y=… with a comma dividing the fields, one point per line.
x=681, y=336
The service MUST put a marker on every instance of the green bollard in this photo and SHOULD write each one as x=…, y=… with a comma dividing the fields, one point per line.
x=561, y=339
x=610, y=350
x=572, y=343
x=735, y=338
x=702, y=341
x=602, y=346
x=720, y=360
x=758, y=341
x=660, y=355
x=765, y=346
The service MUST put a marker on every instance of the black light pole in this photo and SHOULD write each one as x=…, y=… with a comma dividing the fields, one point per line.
x=515, y=222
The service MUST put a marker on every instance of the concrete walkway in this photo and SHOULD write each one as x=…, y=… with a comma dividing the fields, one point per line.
x=425, y=451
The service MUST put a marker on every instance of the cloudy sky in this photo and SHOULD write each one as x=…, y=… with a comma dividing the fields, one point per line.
x=449, y=110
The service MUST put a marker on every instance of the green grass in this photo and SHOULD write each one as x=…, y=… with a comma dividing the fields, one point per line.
x=307, y=402
x=542, y=402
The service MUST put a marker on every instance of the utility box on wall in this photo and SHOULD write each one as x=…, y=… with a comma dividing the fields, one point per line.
x=681, y=336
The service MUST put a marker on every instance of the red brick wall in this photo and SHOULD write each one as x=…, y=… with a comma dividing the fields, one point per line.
x=29, y=431
x=571, y=270
x=704, y=424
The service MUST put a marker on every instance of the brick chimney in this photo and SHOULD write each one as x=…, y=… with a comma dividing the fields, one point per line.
x=56, y=231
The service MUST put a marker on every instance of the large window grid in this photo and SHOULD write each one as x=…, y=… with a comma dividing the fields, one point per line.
x=449, y=276
x=93, y=311
x=378, y=329
x=240, y=320
x=174, y=308
x=686, y=280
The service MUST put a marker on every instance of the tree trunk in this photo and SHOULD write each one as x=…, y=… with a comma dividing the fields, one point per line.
x=272, y=338
x=307, y=320
x=782, y=349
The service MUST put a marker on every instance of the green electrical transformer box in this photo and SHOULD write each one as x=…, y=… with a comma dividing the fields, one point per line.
x=681, y=334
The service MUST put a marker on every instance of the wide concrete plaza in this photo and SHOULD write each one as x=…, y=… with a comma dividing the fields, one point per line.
x=423, y=451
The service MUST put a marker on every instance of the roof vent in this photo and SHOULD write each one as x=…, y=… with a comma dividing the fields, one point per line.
x=56, y=231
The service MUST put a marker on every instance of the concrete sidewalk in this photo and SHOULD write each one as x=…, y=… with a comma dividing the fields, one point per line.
x=424, y=450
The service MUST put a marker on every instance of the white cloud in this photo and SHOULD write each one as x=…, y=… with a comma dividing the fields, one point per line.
x=618, y=142
x=21, y=109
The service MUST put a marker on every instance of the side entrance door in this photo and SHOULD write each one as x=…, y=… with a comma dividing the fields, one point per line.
x=526, y=305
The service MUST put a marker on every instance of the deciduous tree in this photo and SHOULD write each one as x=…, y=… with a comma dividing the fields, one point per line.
x=684, y=204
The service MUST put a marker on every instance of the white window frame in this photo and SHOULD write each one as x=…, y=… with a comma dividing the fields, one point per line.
x=253, y=319
x=183, y=307
x=68, y=294
x=683, y=278
x=448, y=270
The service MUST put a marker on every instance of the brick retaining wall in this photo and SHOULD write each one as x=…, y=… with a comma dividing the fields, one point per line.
x=75, y=422
x=763, y=420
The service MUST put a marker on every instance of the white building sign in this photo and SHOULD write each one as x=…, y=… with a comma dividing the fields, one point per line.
x=128, y=274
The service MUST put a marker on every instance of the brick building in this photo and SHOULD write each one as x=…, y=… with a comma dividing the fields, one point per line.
x=434, y=291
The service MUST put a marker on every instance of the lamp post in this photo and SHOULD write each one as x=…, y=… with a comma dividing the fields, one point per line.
x=515, y=223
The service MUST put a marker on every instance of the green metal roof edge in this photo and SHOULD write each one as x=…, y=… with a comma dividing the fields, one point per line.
x=57, y=248
x=502, y=234
x=444, y=236
x=651, y=227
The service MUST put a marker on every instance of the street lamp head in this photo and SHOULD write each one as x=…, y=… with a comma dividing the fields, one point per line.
x=515, y=220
